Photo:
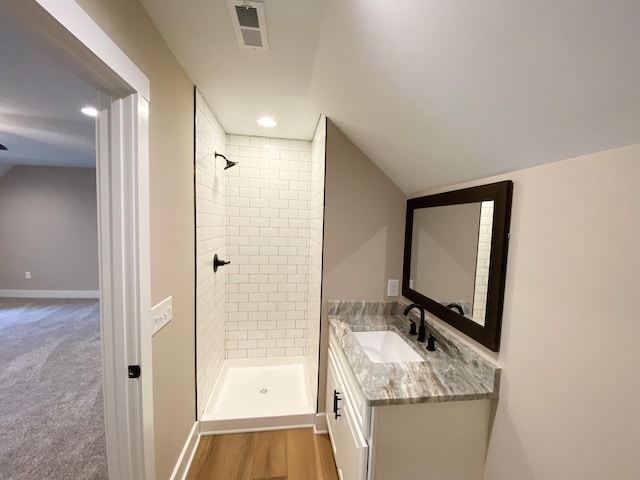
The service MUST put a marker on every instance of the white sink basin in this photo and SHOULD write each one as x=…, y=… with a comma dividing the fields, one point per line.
x=385, y=346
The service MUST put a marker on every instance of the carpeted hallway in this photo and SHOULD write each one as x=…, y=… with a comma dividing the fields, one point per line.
x=51, y=406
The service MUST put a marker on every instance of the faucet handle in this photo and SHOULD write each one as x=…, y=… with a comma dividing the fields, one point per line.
x=431, y=343
x=412, y=328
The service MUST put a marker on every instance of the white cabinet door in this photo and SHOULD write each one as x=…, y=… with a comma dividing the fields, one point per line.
x=332, y=386
x=349, y=446
x=352, y=445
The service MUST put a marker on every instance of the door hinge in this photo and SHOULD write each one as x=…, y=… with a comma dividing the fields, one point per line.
x=134, y=371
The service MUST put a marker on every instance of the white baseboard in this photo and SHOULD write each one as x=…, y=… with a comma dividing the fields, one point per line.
x=50, y=293
x=320, y=424
x=186, y=456
x=238, y=425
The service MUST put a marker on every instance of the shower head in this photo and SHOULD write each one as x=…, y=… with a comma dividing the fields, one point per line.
x=229, y=162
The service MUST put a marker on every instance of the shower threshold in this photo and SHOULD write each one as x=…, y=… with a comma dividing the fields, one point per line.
x=259, y=394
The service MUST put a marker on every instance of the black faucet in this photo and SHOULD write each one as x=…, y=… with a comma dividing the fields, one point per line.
x=422, y=331
x=456, y=306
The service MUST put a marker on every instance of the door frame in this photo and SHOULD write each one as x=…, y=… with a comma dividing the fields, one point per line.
x=66, y=32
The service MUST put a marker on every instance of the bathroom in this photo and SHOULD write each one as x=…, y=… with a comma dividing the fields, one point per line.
x=570, y=287
x=349, y=273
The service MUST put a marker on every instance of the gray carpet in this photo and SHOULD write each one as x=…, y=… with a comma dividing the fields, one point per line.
x=51, y=407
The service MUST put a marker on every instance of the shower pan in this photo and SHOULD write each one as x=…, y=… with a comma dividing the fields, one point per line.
x=257, y=394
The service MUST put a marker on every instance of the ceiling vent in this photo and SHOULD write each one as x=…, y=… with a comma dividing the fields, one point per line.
x=249, y=24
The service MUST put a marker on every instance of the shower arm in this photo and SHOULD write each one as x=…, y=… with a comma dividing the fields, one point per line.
x=229, y=164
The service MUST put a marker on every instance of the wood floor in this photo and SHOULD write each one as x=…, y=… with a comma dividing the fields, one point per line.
x=276, y=455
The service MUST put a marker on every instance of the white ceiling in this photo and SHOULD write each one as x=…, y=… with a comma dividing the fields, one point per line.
x=40, y=101
x=435, y=92
x=243, y=85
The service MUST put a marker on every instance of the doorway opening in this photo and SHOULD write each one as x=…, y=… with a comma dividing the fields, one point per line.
x=65, y=32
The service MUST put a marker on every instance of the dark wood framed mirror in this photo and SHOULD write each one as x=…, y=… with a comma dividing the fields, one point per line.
x=455, y=257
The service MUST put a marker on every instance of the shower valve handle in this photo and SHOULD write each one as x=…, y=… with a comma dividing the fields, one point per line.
x=218, y=263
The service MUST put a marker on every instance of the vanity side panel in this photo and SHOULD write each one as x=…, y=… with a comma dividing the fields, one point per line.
x=443, y=441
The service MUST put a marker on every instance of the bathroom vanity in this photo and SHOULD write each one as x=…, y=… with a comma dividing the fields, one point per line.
x=425, y=419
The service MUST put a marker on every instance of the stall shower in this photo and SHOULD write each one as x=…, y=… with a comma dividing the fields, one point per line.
x=258, y=317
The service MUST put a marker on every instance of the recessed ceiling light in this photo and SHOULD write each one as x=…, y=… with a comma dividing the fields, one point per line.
x=89, y=111
x=267, y=122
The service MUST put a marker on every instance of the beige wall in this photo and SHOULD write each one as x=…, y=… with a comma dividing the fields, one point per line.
x=363, y=231
x=172, y=221
x=568, y=405
x=48, y=226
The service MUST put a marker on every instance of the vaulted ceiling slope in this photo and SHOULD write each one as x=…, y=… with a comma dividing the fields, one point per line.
x=434, y=92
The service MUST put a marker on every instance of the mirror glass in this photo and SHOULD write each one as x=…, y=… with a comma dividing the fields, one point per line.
x=451, y=252
x=455, y=257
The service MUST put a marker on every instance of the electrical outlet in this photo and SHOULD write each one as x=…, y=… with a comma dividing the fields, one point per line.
x=162, y=314
x=393, y=287
x=27, y=275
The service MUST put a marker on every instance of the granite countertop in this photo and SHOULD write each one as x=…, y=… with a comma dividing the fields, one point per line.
x=452, y=372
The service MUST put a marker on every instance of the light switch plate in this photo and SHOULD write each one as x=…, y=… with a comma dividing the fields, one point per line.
x=162, y=314
x=393, y=287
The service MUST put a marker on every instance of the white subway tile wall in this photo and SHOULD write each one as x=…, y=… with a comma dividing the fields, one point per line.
x=316, y=225
x=265, y=215
x=268, y=244
x=482, y=262
x=211, y=238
